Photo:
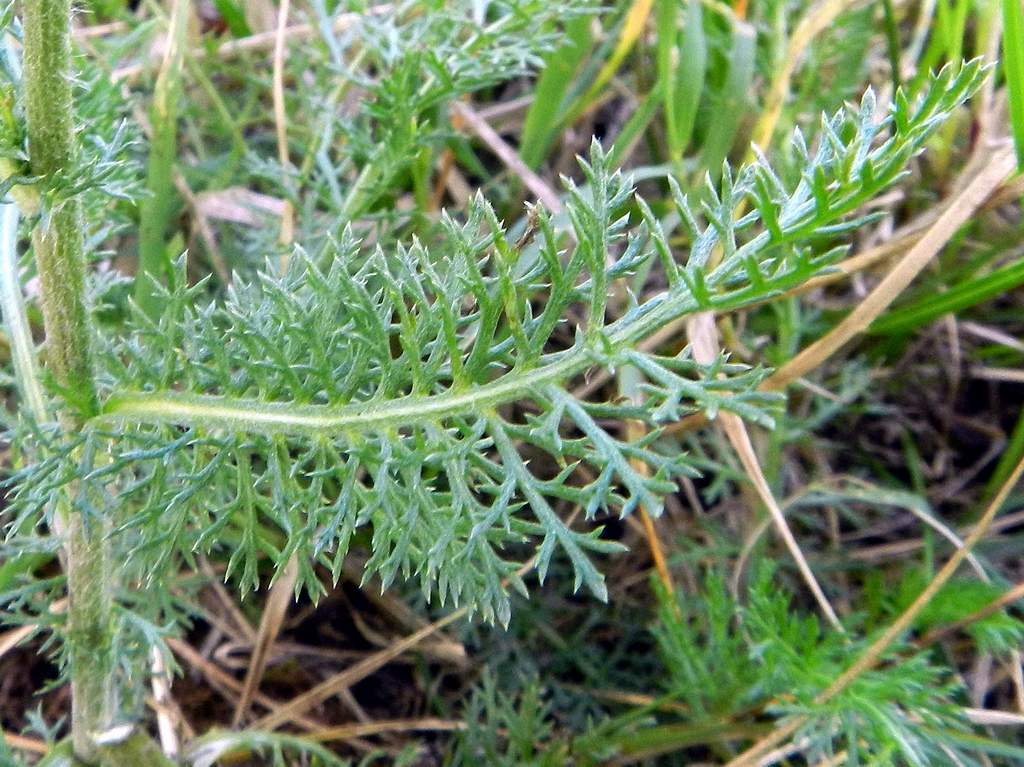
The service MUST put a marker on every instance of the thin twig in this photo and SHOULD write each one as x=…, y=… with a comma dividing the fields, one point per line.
x=955, y=214
x=381, y=726
x=258, y=42
x=704, y=341
x=508, y=156
x=281, y=594
x=281, y=125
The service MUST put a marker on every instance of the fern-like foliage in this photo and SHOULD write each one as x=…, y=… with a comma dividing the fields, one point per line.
x=398, y=395
x=407, y=62
x=726, y=661
x=506, y=731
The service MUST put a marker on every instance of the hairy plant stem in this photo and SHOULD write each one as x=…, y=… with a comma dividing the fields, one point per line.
x=58, y=247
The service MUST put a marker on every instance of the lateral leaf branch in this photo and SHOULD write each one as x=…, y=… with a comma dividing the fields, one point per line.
x=402, y=394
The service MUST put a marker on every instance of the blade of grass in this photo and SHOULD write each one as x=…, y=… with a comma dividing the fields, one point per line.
x=21, y=743
x=946, y=42
x=682, y=64
x=630, y=384
x=549, y=96
x=12, y=304
x=1013, y=70
x=233, y=15
x=704, y=342
x=649, y=742
x=23, y=354
x=537, y=186
x=816, y=21
x=957, y=298
x=274, y=611
x=348, y=731
x=632, y=28
x=635, y=126
x=160, y=202
x=1012, y=453
x=281, y=129
x=892, y=40
x=733, y=100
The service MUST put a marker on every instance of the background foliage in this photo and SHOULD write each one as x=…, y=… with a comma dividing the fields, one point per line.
x=376, y=368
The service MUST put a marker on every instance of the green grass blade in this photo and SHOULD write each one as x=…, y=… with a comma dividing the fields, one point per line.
x=158, y=207
x=733, y=100
x=957, y=298
x=636, y=125
x=1013, y=70
x=665, y=21
x=549, y=97
x=683, y=67
x=1012, y=454
x=233, y=15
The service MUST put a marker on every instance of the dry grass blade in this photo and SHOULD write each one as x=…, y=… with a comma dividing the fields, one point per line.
x=370, y=664
x=635, y=431
x=658, y=554
x=99, y=30
x=281, y=120
x=11, y=639
x=632, y=28
x=990, y=718
x=21, y=743
x=239, y=622
x=239, y=205
x=225, y=682
x=442, y=647
x=817, y=20
x=282, y=591
x=381, y=726
x=270, y=626
x=14, y=637
x=955, y=214
x=508, y=156
x=160, y=682
x=350, y=676
x=257, y=42
x=703, y=338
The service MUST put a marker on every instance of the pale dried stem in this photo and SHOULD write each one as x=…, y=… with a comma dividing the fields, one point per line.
x=704, y=341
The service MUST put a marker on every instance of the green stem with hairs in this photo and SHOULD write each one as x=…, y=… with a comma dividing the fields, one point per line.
x=58, y=247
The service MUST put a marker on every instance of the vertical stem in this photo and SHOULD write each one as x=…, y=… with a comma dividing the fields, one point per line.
x=90, y=633
x=58, y=247
x=58, y=239
x=12, y=307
